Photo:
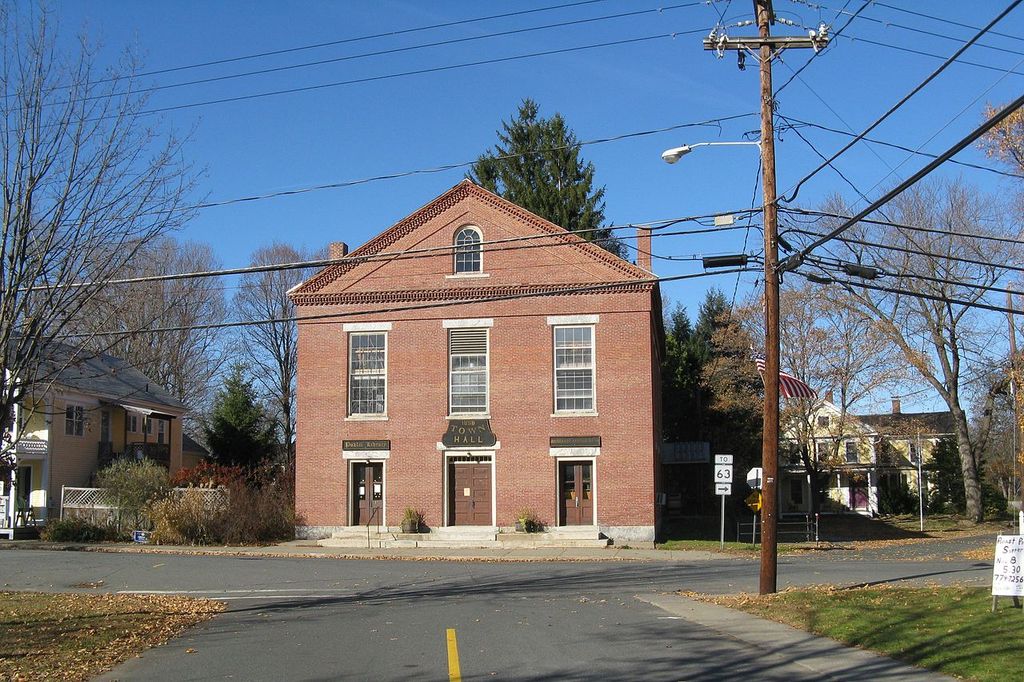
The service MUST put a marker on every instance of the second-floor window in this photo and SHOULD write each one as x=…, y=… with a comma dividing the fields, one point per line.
x=851, y=452
x=468, y=256
x=467, y=371
x=574, y=369
x=74, y=420
x=367, y=373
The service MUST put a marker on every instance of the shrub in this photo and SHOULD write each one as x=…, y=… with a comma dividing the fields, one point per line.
x=132, y=486
x=258, y=514
x=186, y=519
x=207, y=475
x=76, y=530
x=894, y=497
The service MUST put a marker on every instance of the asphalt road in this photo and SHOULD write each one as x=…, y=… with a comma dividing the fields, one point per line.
x=320, y=619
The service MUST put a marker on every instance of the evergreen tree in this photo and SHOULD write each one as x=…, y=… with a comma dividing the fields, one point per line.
x=536, y=164
x=947, y=479
x=239, y=431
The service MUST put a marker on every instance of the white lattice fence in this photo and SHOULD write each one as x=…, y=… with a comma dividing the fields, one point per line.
x=98, y=504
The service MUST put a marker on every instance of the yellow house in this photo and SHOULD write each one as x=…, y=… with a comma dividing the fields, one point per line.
x=94, y=409
x=859, y=456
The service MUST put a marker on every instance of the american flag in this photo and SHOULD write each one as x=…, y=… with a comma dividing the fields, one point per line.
x=789, y=385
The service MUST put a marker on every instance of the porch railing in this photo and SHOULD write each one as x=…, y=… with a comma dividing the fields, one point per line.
x=158, y=452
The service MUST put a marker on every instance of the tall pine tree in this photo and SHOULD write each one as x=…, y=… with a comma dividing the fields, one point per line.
x=536, y=164
x=239, y=431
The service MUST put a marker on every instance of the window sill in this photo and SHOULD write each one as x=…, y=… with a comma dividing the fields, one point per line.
x=468, y=275
x=366, y=418
x=469, y=415
x=586, y=413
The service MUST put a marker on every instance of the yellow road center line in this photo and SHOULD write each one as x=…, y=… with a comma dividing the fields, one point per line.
x=454, y=672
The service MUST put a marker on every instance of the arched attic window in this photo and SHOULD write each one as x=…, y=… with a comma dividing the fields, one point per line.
x=468, y=252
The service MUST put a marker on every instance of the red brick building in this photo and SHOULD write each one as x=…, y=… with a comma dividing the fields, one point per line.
x=472, y=361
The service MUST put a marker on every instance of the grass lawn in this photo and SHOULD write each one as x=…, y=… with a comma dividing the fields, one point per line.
x=744, y=548
x=948, y=629
x=77, y=636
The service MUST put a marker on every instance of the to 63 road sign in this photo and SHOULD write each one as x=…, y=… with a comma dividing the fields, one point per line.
x=723, y=473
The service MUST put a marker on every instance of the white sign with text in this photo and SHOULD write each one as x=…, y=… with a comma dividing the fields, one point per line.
x=1008, y=567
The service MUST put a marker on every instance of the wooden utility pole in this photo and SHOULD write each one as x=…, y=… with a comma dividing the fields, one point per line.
x=767, y=47
x=1014, y=388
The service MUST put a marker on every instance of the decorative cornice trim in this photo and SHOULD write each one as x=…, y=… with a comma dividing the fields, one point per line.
x=474, y=294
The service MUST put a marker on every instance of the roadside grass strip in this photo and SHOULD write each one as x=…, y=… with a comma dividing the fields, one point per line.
x=947, y=629
x=77, y=636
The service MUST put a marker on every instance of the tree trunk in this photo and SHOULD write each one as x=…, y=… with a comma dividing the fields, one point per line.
x=969, y=468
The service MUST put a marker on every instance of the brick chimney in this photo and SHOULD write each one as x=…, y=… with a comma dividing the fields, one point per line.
x=829, y=397
x=336, y=250
x=895, y=405
x=643, y=248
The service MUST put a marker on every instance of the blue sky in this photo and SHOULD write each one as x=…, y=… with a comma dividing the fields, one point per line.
x=412, y=122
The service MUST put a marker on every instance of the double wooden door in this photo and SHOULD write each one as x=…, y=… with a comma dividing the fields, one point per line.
x=470, y=495
x=367, y=492
x=576, y=482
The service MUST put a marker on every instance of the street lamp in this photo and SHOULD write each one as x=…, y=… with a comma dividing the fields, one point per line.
x=676, y=153
x=770, y=430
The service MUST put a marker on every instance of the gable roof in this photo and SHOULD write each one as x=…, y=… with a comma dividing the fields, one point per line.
x=104, y=376
x=909, y=422
x=306, y=293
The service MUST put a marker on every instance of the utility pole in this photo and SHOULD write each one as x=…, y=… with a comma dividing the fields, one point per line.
x=1014, y=388
x=767, y=47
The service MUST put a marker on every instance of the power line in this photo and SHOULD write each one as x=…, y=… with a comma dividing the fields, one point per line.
x=838, y=264
x=373, y=36
x=592, y=288
x=413, y=72
x=915, y=252
x=403, y=255
x=944, y=20
x=905, y=226
x=395, y=50
x=790, y=121
x=793, y=261
x=817, y=52
x=914, y=294
x=449, y=166
x=913, y=29
x=932, y=76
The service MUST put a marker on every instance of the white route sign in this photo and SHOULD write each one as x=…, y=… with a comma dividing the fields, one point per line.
x=723, y=489
x=723, y=473
x=1008, y=567
x=723, y=459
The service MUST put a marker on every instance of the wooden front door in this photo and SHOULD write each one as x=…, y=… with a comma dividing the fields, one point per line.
x=367, y=493
x=470, y=497
x=577, y=489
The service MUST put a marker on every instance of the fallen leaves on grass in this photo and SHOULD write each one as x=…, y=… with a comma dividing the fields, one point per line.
x=76, y=636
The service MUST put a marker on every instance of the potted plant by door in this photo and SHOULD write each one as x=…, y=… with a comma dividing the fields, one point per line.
x=526, y=521
x=411, y=520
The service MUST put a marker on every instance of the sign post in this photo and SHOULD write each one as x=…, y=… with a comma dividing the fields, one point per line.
x=723, y=488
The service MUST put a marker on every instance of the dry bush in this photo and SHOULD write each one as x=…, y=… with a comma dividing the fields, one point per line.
x=183, y=519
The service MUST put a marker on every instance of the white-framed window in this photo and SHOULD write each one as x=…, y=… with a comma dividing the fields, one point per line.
x=468, y=251
x=574, y=369
x=823, y=420
x=912, y=451
x=74, y=420
x=161, y=428
x=367, y=373
x=467, y=371
x=131, y=422
x=851, y=452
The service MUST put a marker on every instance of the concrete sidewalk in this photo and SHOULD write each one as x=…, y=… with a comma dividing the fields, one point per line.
x=778, y=647
x=309, y=549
